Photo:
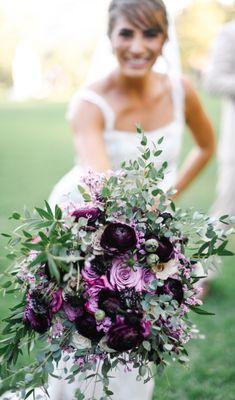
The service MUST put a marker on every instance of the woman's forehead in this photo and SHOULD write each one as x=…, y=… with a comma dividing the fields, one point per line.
x=123, y=22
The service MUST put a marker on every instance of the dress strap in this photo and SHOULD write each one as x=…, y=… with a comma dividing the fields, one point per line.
x=94, y=98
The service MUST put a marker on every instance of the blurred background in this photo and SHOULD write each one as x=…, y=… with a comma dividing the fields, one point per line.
x=46, y=49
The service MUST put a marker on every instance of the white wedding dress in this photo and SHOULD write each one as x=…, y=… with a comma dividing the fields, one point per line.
x=121, y=146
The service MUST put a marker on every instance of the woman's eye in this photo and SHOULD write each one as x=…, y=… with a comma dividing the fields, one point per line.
x=126, y=33
x=151, y=33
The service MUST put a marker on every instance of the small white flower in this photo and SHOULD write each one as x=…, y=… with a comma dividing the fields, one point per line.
x=80, y=342
x=165, y=270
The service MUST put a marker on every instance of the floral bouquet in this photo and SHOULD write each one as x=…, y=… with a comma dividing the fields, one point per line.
x=108, y=282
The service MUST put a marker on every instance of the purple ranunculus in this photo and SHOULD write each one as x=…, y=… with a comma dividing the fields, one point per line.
x=175, y=288
x=56, y=301
x=165, y=250
x=97, y=286
x=124, y=276
x=123, y=336
x=39, y=322
x=87, y=326
x=109, y=302
x=118, y=237
x=147, y=277
x=92, y=214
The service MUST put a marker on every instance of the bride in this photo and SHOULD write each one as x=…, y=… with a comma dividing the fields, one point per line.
x=103, y=117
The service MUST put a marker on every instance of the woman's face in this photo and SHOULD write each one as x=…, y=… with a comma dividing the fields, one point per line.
x=136, y=49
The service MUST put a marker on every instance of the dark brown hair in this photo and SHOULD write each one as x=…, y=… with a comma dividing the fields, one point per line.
x=141, y=13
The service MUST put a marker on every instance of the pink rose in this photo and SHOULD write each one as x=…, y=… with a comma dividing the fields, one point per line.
x=124, y=276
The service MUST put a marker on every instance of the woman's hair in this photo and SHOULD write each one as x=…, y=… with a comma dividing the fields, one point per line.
x=141, y=13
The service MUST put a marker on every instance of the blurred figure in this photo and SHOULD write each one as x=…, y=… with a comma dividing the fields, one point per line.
x=220, y=80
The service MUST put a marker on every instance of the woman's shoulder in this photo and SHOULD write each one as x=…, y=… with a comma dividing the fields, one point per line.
x=103, y=86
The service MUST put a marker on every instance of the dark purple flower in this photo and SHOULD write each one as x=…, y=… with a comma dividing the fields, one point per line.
x=118, y=237
x=39, y=322
x=87, y=326
x=56, y=301
x=92, y=214
x=175, y=288
x=124, y=336
x=110, y=302
x=165, y=250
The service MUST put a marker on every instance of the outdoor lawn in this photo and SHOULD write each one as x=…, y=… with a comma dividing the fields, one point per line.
x=36, y=149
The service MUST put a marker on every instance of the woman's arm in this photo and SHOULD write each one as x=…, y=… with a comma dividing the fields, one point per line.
x=88, y=126
x=203, y=134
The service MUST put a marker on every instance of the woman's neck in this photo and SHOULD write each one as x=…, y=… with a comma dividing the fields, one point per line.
x=135, y=85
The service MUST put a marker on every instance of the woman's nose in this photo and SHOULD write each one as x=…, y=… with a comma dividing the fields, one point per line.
x=137, y=45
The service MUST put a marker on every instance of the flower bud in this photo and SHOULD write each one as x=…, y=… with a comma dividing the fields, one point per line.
x=152, y=259
x=142, y=370
x=99, y=315
x=151, y=245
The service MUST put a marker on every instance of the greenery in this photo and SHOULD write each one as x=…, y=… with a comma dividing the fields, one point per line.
x=36, y=150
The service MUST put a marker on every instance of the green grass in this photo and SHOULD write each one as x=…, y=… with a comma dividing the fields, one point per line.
x=36, y=149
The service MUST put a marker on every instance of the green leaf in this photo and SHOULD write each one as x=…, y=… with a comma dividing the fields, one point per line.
x=58, y=212
x=160, y=140
x=200, y=311
x=138, y=128
x=141, y=162
x=144, y=140
x=6, y=284
x=105, y=192
x=43, y=213
x=53, y=268
x=49, y=210
x=157, y=153
x=6, y=235
x=29, y=393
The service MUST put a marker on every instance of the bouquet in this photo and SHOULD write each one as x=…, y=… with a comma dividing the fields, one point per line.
x=108, y=282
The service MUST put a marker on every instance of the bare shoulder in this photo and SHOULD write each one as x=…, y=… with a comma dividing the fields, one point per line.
x=103, y=86
x=192, y=100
